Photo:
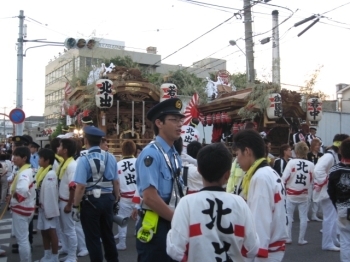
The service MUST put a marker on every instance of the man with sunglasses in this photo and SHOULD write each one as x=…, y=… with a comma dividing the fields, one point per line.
x=158, y=183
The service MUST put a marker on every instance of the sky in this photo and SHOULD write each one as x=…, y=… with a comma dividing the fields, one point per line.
x=170, y=25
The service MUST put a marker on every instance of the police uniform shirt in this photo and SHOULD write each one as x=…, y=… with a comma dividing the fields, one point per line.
x=154, y=171
x=34, y=160
x=83, y=170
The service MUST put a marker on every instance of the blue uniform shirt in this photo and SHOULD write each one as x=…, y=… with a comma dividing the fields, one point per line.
x=83, y=170
x=34, y=160
x=152, y=169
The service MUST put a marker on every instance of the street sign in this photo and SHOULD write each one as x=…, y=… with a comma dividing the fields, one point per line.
x=17, y=116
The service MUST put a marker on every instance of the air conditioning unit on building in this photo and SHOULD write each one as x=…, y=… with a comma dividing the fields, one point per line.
x=151, y=50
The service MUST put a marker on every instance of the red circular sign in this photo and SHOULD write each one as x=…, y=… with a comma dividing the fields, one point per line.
x=17, y=116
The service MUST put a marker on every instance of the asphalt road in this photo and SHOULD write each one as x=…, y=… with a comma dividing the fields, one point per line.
x=308, y=253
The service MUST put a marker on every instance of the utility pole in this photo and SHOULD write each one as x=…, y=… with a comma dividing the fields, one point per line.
x=19, y=99
x=249, y=40
x=276, y=75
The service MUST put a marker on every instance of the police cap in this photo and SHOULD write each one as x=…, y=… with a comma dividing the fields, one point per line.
x=20, y=140
x=93, y=131
x=33, y=144
x=87, y=120
x=171, y=106
x=29, y=138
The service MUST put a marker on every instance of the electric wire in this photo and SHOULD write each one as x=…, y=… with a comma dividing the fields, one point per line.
x=335, y=8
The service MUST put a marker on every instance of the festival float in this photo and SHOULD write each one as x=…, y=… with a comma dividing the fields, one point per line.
x=119, y=99
x=272, y=111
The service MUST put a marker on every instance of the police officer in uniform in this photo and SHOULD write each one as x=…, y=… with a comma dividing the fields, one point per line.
x=158, y=168
x=96, y=179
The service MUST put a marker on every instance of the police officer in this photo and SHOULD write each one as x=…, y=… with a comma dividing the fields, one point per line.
x=158, y=166
x=34, y=157
x=97, y=187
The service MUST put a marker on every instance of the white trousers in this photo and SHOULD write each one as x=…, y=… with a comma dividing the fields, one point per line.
x=314, y=206
x=69, y=236
x=80, y=236
x=302, y=207
x=344, y=233
x=125, y=210
x=329, y=224
x=273, y=257
x=20, y=229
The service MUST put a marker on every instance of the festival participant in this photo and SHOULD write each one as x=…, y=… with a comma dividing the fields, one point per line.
x=212, y=225
x=313, y=157
x=87, y=121
x=97, y=190
x=22, y=201
x=265, y=194
x=127, y=184
x=65, y=174
x=311, y=136
x=314, y=153
x=339, y=193
x=189, y=133
x=329, y=223
x=47, y=186
x=194, y=179
x=281, y=162
x=158, y=183
x=298, y=177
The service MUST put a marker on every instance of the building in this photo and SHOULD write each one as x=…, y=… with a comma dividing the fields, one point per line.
x=34, y=125
x=69, y=64
x=343, y=97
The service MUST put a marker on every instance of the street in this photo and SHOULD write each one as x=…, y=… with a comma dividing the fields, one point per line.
x=310, y=252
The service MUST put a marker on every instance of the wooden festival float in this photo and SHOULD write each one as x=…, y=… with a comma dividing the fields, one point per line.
x=272, y=112
x=122, y=98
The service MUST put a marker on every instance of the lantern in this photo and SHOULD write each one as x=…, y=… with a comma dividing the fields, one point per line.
x=167, y=90
x=223, y=117
x=71, y=110
x=103, y=93
x=209, y=120
x=86, y=112
x=218, y=118
x=274, y=111
x=314, y=110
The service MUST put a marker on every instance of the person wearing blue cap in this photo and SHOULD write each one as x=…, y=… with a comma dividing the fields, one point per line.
x=159, y=166
x=34, y=157
x=96, y=180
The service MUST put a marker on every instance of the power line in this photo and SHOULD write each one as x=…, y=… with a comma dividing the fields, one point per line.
x=193, y=40
x=336, y=8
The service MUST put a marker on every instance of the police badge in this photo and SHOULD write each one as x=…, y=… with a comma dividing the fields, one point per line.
x=148, y=161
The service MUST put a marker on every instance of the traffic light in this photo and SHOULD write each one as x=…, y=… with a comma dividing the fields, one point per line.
x=71, y=43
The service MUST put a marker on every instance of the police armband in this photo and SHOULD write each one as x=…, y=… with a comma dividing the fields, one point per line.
x=148, y=227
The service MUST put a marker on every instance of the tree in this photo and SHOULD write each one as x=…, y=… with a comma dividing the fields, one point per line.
x=309, y=89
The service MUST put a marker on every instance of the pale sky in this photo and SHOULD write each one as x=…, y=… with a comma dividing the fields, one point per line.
x=169, y=25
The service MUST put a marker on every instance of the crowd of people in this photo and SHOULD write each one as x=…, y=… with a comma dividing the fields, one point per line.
x=191, y=203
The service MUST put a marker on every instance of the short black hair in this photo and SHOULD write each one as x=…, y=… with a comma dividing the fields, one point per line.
x=47, y=154
x=250, y=139
x=179, y=145
x=340, y=137
x=214, y=161
x=70, y=145
x=93, y=140
x=345, y=148
x=155, y=128
x=47, y=146
x=23, y=151
x=283, y=148
x=54, y=144
x=193, y=148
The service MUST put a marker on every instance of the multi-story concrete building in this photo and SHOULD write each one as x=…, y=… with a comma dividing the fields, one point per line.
x=80, y=61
